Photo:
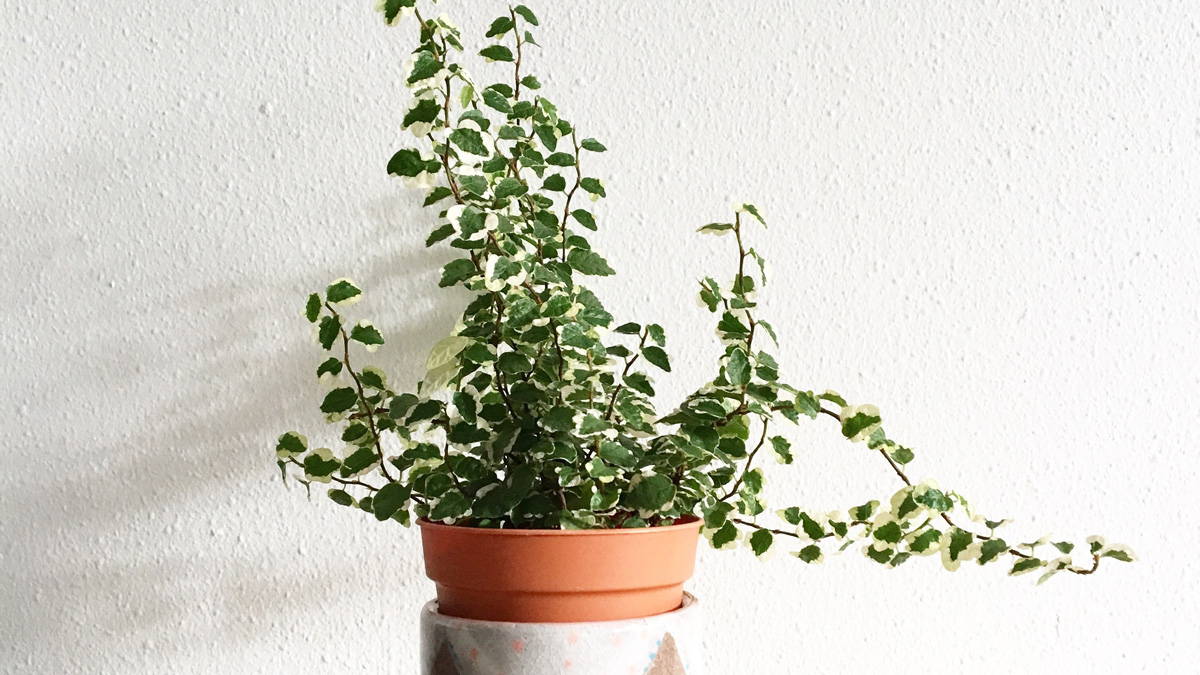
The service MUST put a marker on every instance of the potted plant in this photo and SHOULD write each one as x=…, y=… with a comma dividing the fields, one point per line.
x=547, y=485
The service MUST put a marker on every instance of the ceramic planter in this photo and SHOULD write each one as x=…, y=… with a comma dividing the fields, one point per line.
x=664, y=644
x=555, y=576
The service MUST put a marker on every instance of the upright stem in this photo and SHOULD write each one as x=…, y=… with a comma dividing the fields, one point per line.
x=362, y=397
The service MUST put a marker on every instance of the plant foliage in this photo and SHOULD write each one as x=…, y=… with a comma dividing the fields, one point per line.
x=537, y=411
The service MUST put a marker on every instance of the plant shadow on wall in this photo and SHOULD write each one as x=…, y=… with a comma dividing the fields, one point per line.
x=155, y=530
x=537, y=411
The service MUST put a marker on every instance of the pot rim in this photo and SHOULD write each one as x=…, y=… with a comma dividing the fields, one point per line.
x=683, y=523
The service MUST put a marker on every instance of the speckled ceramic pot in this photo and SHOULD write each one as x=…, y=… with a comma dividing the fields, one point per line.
x=664, y=644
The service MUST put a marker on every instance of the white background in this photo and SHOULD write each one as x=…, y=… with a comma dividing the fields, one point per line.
x=984, y=219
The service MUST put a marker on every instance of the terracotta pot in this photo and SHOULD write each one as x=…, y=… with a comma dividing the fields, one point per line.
x=555, y=576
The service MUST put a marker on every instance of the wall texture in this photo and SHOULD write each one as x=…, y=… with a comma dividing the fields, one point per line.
x=984, y=218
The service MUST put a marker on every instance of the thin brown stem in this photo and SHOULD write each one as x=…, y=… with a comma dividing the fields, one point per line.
x=749, y=460
x=628, y=364
x=362, y=396
x=570, y=195
x=517, y=63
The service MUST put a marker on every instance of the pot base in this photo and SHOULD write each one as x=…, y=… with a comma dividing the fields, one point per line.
x=665, y=644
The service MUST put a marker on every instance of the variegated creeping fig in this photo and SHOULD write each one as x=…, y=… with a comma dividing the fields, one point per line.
x=537, y=411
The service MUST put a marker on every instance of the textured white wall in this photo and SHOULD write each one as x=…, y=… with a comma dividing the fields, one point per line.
x=984, y=218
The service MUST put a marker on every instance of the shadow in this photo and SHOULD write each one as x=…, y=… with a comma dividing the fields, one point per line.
x=184, y=509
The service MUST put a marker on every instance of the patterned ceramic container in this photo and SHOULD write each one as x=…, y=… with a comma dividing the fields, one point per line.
x=665, y=644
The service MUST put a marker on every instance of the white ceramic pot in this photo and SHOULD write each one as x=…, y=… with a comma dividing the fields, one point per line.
x=664, y=644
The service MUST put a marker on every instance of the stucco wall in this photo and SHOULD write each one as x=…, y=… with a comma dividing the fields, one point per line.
x=984, y=218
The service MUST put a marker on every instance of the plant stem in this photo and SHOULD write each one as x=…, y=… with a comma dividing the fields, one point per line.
x=362, y=396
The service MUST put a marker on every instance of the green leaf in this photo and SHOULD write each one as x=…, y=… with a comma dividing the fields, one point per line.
x=881, y=556
x=424, y=410
x=858, y=423
x=469, y=140
x=436, y=195
x=738, y=368
x=592, y=425
x=1117, y=554
x=547, y=135
x=496, y=53
x=554, y=182
x=656, y=333
x=406, y=163
x=935, y=499
x=716, y=515
x=312, y=309
x=960, y=539
x=439, y=234
x=593, y=145
x=558, y=418
x=340, y=291
x=783, y=449
x=753, y=210
x=389, y=499
x=585, y=219
x=560, y=159
x=716, y=228
x=811, y=527
x=456, y=271
x=657, y=356
x=290, y=444
x=807, y=404
x=331, y=365
x=329, y=330
x=1064, y=547
x=341, y=497
x=617, y=454
x=865, y=511
x=510, y=187
x=500, y=26
x=726, y=534
x=903, y=455
x=924, y=540
x=760, y=541
x=593, y=186
x=651, y=493
x=425, y=66
x=526, y=14
x=1025, y=565
x=810, y=553
x=513, y=363
x=356, y=432
x=991, y=549
x=464, y=433
x=497, y=101
x=391, y=9
x=366, y=333
x=426, y=110
x=452, y=505
x=339, y=400
x=358, y=461
x=320, y=464
x=589, y=262
x=731, y=326
x=476, y=185
x=889, y=532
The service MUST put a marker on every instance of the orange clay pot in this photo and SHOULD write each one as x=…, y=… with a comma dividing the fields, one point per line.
x=556, y=576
